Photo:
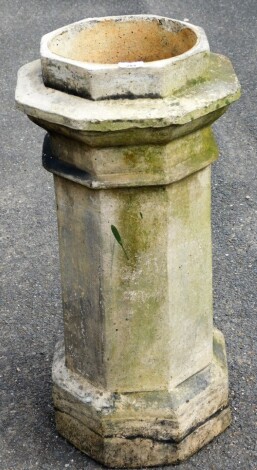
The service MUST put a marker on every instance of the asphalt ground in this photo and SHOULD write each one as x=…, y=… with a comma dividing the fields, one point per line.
x=31, y=313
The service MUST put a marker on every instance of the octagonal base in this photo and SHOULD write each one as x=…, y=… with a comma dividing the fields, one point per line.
x=143, y=428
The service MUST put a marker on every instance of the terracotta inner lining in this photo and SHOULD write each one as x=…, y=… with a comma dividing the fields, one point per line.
x=110, y=42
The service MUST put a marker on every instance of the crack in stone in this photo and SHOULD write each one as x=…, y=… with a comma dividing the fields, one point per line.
x=171, y=441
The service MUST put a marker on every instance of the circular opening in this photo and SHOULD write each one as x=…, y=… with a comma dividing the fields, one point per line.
x=113, y=41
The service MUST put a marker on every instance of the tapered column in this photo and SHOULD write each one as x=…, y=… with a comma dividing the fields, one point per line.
x=136, y=280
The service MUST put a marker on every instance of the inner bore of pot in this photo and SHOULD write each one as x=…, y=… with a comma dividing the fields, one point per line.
x=111, y=42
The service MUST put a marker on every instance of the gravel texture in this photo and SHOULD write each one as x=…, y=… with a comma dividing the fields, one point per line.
x=31, y=316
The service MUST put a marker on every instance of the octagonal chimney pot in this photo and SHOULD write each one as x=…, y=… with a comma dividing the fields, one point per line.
x=128, y=102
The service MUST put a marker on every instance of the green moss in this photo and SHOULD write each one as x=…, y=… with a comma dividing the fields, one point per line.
x=194, y=82
x=147, y=159
x=208, y=147
x=142, y=225
x=140, y=228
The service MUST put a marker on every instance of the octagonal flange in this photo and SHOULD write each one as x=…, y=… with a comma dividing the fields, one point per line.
x=128, y=121
x=123, y=56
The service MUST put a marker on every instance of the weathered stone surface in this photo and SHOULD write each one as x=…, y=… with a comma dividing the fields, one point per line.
x=138, y=452
x=124, y=56
x=195, y=100
x=135, y=429
x=123, y=326
x=142, y=382
x=125, y=166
